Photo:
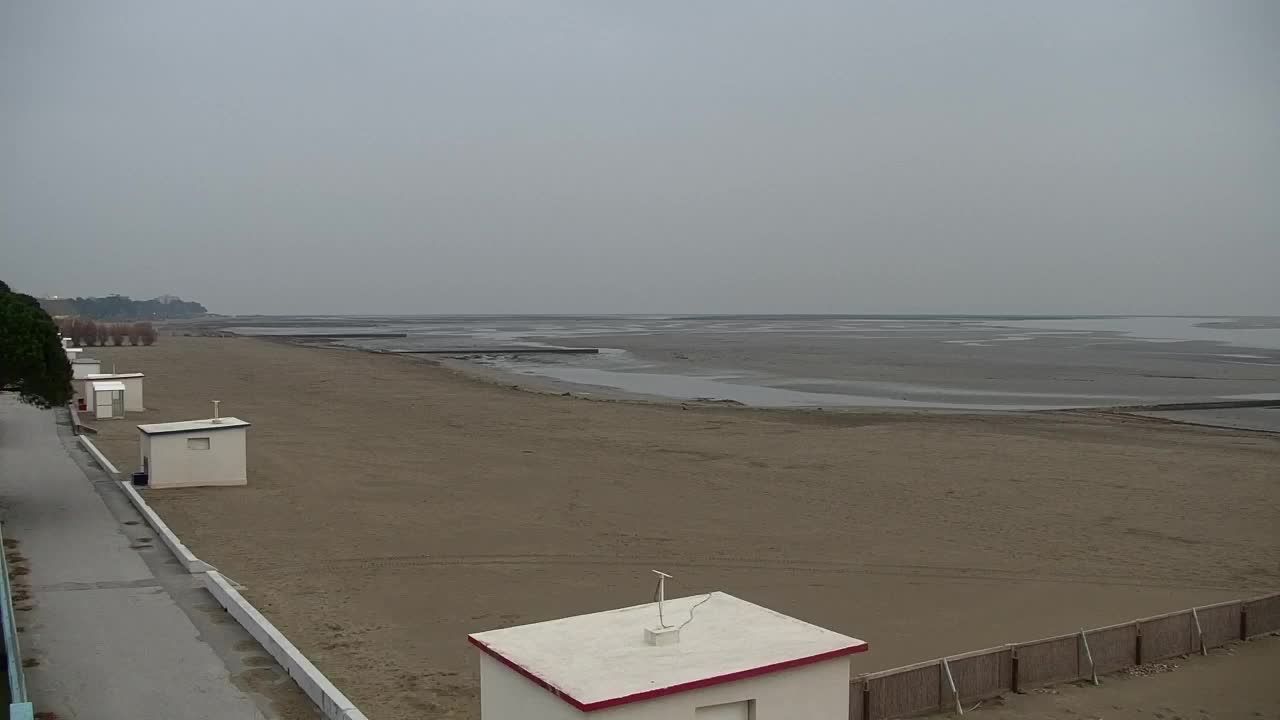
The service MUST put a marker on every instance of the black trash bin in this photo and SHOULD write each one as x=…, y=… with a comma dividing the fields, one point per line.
x=140, y=479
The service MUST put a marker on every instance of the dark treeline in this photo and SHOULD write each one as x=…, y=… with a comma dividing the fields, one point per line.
x=121, y=307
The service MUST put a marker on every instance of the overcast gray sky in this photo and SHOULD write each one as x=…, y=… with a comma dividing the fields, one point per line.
x=651, y=156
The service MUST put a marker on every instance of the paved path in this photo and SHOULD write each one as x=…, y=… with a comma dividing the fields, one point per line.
x=119, y=629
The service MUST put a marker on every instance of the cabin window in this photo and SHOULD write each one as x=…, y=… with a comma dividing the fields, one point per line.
x=744, y=710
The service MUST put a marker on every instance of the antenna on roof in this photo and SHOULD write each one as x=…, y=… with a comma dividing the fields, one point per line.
x=216, y=418
x=664, y=634
x=662, y=597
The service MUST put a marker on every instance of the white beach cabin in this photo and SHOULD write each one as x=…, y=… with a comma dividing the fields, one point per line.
x=106, y=398
x=82, y=368
x=72, y=353
x=132, y=388
x=718, y=658
x=195, y=453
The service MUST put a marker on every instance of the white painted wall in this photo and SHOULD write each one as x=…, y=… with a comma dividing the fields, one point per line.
x=172, y=464
x=103, y=404
x=508, y=695
x=144, y=450
x=813, y=692
x=80, y=369
x=133, y=394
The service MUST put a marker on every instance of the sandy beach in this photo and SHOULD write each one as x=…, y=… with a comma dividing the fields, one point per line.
x=395, y=505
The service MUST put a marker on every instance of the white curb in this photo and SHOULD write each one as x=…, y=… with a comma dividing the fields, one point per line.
x=99, y=457
x=328, y=698
x=188, y=559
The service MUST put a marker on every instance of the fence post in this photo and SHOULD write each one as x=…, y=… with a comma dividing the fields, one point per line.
x=1137, y=643
x=1244, y=621
x=1013, y=683
x=1199, y=632
x=866, y=701
x=1088, y=654
x=952, y=683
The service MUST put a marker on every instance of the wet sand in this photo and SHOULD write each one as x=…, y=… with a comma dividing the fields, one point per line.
x=952, y=363
x=395, y=506
x=1262, y=419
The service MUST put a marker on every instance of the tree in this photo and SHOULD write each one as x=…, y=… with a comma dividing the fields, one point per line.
x=32, y=360
x=104, y=334
x=118, y=332
x=135, y=333
x=148, y=334
x=88, y=333
x=74, y=331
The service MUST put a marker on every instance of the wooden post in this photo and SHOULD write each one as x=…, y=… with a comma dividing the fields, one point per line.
x=1137, y=643
x=1014, y=682
x=1244, y=621
x=952, y=683
x=1199, y=632
x=1093, y=669
x=866, y=701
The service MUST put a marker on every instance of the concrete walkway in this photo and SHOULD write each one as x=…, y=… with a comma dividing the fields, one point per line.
x=119, y=630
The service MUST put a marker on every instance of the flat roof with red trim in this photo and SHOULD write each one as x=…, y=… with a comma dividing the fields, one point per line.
x=601, y=660
x=109, y=376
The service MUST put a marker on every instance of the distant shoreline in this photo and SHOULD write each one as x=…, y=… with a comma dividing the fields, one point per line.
x=541, y=385
x=1216, y=373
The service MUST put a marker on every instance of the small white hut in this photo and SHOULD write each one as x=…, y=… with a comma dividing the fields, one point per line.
x=132, y=388
x=82, y=368
x=195, y=453
x=72, y=353
x=106, y=398
x=707, y=657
